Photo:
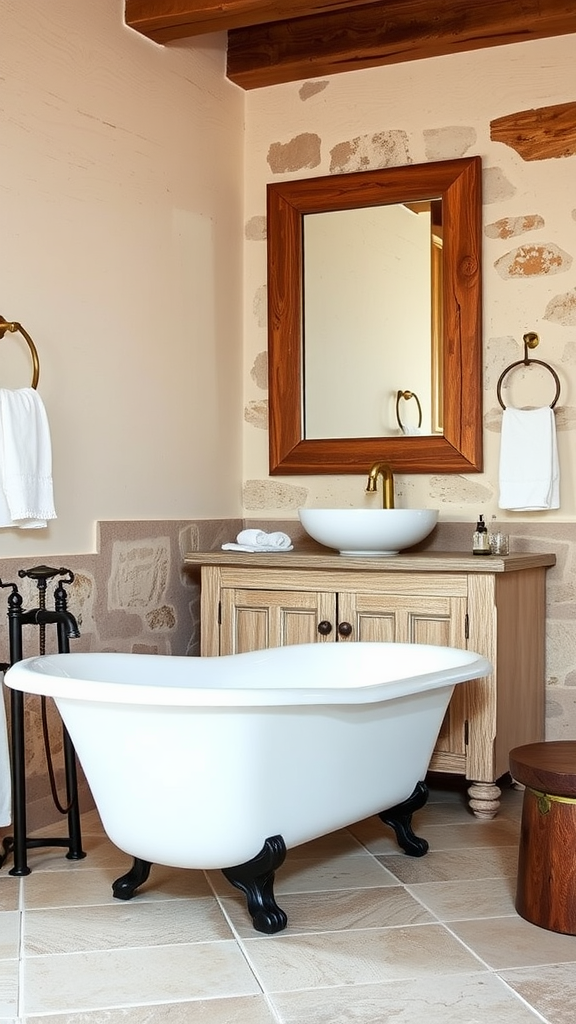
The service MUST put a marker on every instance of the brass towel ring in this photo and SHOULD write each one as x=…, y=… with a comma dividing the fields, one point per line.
x=407, y=395
x=14, y=327
x=531, y=340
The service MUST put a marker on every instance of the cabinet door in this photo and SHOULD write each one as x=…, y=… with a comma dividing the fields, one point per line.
x=252, y=620
x=405, y=619
x=419, y=620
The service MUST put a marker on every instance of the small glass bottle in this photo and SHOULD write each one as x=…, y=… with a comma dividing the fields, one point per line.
x=481, y=539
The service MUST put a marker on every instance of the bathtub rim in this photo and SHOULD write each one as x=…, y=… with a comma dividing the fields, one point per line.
x=34, y=675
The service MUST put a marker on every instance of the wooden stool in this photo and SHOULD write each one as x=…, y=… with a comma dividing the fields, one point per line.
x=546, y=885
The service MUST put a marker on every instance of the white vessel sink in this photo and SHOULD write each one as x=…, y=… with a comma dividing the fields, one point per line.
x=368, y=531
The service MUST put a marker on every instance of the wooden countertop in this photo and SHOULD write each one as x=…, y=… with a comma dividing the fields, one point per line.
x=433, y=561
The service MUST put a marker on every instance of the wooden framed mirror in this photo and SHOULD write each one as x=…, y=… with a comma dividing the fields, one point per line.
x=457, y=446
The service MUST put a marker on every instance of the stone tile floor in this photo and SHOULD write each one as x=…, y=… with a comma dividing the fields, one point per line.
x=373, y=936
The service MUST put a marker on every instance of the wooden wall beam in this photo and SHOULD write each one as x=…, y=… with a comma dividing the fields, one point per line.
x=372, y=35
x=165, y=20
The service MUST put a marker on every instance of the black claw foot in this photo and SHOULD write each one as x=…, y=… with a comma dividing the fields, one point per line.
x=256, y=880
x=400, y=819
x=125, y=886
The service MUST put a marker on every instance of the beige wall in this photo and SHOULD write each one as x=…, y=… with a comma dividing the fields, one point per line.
x=412, y=113
x=121, y=222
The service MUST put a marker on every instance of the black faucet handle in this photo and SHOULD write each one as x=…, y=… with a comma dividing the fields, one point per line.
x=13, y=585
x=42, y=572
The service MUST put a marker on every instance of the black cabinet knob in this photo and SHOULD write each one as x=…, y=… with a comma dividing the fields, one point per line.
x=324, y=627
x=345, y=629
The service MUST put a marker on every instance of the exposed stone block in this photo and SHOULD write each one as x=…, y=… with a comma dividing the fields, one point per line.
x=562, y=309
x=301, y=151
x=565, y=417
x=255, y=229
x=140, y=573
x=310, y=89
x=507, y=227
x=495, y=186
x=259, y=371
x=162, y=618
x=448, y=143
x=370, y=152
x=456, y=490
x=569, y=353
x=500, y=352
x=272, y=494
x=256, y=413
x=493, y=419
x=534, y=261
x=260, y=305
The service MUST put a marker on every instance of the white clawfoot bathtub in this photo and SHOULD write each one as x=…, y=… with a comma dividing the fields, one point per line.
x=202, y=762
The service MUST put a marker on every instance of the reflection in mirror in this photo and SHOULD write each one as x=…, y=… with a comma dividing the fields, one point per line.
x=306, y=348
x=372, y=288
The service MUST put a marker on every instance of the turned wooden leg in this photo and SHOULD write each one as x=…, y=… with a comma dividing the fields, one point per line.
x=484, y=799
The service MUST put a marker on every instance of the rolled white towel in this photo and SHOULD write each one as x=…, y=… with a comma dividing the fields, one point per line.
x=259, y=540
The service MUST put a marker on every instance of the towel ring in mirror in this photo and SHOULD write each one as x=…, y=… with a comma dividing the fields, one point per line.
x=407, y=395
x=14, y=327
x=531, y=340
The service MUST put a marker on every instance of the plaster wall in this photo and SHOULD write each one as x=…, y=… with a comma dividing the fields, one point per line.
x=121, y=216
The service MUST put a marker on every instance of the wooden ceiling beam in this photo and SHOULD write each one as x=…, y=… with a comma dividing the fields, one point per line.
x=372, y=35
x=274, y=41
x=165, y=20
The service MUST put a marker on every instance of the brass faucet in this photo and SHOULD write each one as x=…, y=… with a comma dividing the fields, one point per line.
x=384, y=470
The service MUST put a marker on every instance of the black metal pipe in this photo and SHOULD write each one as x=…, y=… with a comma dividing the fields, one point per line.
x=18, y=845
x=66, y=622
x=67, y=627
x=18, y=784
x=75, y=851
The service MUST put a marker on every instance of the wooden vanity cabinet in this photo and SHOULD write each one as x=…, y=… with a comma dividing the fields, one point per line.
x=493, y=605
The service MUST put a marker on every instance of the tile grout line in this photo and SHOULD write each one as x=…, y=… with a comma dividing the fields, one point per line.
x=469, y=949
x=241, y=948
x=521, y=999
x=20, y=991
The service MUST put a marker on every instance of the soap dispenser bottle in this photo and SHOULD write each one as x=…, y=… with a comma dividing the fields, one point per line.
x=481, y=540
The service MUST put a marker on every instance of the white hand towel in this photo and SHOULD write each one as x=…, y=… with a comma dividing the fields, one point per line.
x=529, y=472
x=261, y=539
x=5, y=776
x=26, y=494
x=258, y=540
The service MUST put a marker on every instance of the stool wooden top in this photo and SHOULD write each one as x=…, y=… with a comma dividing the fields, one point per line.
x=548, y=767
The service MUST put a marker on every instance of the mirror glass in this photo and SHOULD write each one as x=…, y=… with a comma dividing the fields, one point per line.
x=373, y=286
x=368, y=361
